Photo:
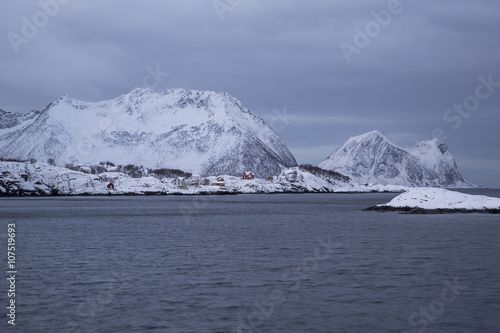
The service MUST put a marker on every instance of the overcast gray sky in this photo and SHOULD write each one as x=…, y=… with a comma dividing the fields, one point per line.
x=317, y=71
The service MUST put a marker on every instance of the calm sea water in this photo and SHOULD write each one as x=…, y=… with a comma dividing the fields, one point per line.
x=248, y=263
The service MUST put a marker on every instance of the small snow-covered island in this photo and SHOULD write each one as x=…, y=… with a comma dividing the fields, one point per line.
x=194, y=142
x=440, y=201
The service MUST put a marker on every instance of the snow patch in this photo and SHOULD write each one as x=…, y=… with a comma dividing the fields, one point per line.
x=436, y=198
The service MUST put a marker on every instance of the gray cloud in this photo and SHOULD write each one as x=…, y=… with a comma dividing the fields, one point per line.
x=272, y=54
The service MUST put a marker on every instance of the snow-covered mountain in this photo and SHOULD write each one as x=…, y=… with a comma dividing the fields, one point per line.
x=196, y=131
x=12, y=124
x=371, y=158
x=16, y=120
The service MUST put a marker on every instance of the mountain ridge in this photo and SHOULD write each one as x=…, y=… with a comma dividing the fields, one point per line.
x=207, y=133
x=197, y=131
x=372, y=158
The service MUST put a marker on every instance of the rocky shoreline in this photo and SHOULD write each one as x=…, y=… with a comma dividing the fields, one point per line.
x=40, y=179
x=417, y=210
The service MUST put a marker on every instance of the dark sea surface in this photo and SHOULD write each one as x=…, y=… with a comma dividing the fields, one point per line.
x=248, y=263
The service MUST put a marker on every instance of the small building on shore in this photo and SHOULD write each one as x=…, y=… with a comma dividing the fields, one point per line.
x=219, y=182
x=195, y=180
x=179, y=181
x=248, y=175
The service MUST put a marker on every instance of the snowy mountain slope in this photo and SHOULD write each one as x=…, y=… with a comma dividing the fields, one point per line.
x=12, y=120
x=11, y=124
x=195, y=131
x=371, y=158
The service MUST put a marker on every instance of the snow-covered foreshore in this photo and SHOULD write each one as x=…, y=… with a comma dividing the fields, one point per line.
x=34, y=179
x=437, y=200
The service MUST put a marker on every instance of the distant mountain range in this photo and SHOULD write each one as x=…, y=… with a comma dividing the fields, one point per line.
x=204, y=133
x=371, y=158
x=200, y=132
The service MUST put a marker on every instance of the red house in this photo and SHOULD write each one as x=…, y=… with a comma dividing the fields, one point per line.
x=111, y=186
x=248, y=175
x=220, y=182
